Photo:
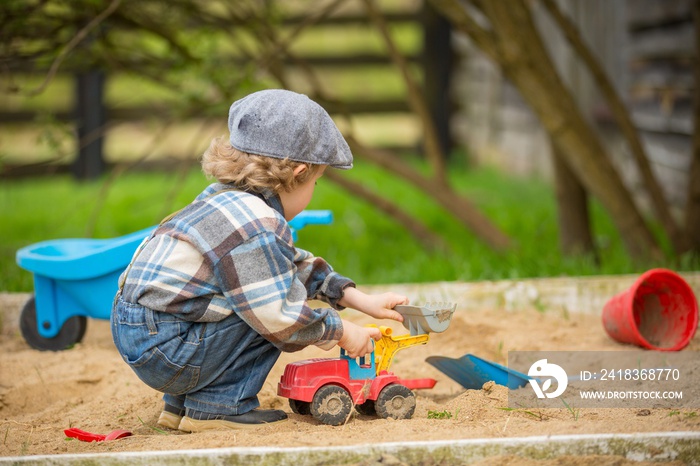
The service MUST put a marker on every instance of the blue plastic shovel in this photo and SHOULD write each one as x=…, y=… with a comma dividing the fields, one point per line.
x=472, y=372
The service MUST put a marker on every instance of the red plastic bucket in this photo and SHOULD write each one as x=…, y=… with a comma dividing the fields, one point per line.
x=658, y=312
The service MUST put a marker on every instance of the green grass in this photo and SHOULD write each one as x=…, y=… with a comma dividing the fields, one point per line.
x=362, y=243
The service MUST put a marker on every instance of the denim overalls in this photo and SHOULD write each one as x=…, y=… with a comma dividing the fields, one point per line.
x=214, y=367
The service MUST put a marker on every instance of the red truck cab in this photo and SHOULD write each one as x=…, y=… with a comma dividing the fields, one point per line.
x=328, y=389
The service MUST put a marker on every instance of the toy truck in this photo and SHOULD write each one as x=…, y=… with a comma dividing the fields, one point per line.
x=329, y=388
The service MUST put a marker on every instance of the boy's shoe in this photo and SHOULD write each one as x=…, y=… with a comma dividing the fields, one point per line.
x=170, y=417
x=197, y=421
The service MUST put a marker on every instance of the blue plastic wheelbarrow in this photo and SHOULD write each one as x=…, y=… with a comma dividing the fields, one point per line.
x=77, y=278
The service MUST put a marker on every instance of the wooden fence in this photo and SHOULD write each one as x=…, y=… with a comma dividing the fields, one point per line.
x=646, y=46
x=90, y=114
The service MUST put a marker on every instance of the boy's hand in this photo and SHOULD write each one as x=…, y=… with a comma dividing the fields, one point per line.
x=358, y=341
x=379, y=306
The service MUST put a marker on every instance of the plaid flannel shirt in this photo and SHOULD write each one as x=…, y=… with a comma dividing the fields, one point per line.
x=232, y=251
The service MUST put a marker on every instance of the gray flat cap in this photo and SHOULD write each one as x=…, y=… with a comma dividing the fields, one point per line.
x=286, y=125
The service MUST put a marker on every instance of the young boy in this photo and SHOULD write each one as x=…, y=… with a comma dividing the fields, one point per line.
x=214, y=295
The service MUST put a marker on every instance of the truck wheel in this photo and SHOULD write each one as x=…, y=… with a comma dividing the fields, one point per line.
x=300, y=407
x=332, y=405
x=71, y=332
x=396, y=401
x=367, y=408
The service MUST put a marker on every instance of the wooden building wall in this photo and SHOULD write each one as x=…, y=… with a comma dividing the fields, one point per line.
x=646, y=46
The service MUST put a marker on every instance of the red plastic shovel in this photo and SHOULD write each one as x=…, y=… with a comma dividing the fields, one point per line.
x=90, y=437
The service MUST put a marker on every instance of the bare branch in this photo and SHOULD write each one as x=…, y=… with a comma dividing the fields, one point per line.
x=460, y=18
x=521, y=54
x=279, y=47
x=311, y=20
x=427, y=238
x=415, y=95
x=80, y=36
x=459, y=206
x=118, y=170
x=463, y=210
x=624, y=120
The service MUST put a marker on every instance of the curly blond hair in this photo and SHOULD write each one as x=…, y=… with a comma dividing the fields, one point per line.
x=250, y=172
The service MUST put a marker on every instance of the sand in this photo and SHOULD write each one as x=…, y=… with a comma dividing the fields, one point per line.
x=91, y=388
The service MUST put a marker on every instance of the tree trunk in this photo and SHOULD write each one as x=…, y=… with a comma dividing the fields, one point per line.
x=572, y=208
x=692, y=209
x=624, y=121
x=514, y=43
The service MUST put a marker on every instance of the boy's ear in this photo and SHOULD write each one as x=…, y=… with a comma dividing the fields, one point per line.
x=299, y=170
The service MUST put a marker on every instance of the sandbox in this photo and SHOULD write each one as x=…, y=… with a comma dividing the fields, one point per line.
x=89, y=387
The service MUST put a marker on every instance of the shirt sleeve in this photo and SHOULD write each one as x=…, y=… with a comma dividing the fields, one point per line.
x=264, y=286
x=320, y=280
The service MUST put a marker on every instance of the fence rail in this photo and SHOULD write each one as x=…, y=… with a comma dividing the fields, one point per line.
x=89, y=112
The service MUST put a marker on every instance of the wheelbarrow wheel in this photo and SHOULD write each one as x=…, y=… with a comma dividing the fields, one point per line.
x=72, y=331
